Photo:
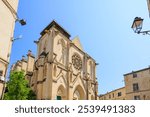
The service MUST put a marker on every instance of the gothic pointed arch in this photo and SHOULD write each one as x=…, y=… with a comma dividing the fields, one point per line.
x=61, y=93
x=79, y=93
x=60, y=76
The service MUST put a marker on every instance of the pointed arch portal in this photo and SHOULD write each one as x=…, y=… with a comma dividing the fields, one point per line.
x=61, y=93
x=79, y=93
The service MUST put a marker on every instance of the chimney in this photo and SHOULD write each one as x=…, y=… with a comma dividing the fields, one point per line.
x=30, y=61
x=29, y=53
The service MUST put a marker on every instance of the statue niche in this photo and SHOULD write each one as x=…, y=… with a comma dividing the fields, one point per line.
x=62, y=49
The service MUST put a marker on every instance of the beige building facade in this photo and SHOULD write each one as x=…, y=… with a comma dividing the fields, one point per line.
x=137, y=84
x=26, y=64
x=8, y=9
x=62, y=70
x=118, y=94
x=137, y=87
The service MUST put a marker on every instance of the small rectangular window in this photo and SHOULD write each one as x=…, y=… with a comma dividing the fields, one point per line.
x=113, y=95
x=137, y=97
x=119, y=94
x=135, y=87
x=109, y=96
x=134, y=75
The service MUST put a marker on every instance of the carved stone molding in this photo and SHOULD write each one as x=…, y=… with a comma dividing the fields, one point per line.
x=76, y=61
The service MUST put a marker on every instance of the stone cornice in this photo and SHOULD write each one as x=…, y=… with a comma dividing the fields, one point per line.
x=138, y=91
x=137, y=71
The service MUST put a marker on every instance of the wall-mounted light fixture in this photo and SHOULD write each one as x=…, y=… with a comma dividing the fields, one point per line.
x=137, y=26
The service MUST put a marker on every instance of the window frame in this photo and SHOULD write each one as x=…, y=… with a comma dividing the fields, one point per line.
x=134, y=75
x=119, y=94
x=137, y=97
x=135, y=87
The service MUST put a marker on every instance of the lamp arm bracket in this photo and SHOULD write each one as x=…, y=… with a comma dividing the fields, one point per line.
x=145, y=32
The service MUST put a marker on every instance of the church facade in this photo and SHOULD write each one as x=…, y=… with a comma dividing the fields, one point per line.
x=62, y=70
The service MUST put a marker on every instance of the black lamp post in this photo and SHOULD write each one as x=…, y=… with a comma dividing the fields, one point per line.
x=137, y=26
x=21, y=21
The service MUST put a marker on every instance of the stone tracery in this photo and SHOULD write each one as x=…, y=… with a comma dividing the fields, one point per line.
x=76, y=61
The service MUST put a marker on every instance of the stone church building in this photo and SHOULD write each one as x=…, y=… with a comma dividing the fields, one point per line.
x=62, y=70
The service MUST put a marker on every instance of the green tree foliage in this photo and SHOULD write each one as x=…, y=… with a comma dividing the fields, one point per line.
x=31, y=95
x=18, y=88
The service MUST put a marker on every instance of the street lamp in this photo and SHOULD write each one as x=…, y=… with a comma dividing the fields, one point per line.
x=21, y=21
x=137, y=26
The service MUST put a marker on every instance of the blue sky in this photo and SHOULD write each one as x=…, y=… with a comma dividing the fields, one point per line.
x=104, y=28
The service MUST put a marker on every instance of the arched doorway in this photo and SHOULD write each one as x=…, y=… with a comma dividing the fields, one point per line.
x=61, y=93
x=79, y=93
